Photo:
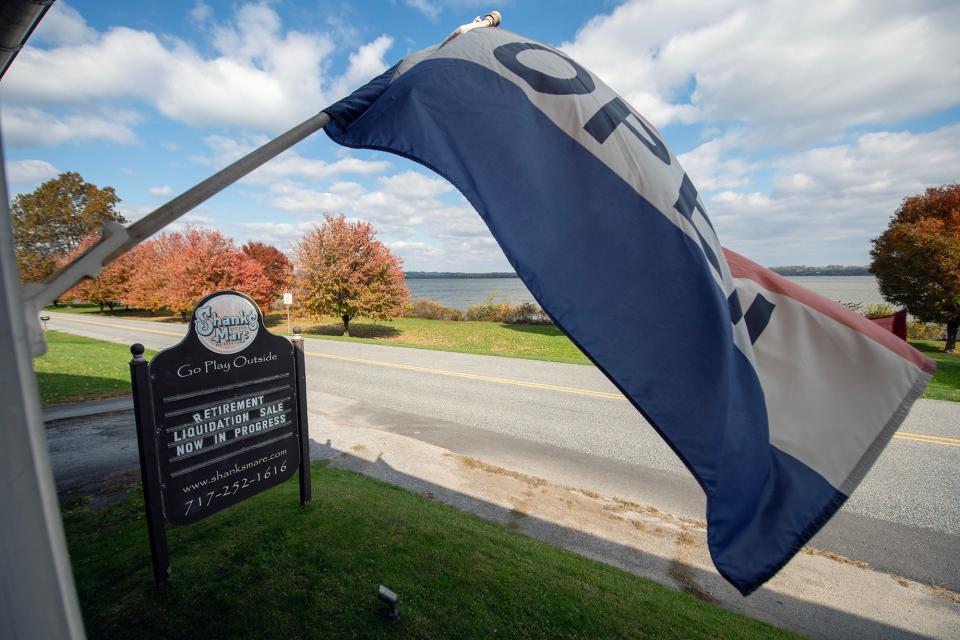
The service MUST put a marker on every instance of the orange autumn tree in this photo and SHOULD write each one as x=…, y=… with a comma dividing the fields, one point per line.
x=176, y=269
x=343, y=270
x=111, y=287
x=917, y=259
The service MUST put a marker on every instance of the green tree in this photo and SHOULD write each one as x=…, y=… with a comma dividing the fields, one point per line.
x=917, y=259
x=51, y=222
x=343, y=270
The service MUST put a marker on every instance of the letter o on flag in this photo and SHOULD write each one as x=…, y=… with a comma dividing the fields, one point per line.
x=580, y=84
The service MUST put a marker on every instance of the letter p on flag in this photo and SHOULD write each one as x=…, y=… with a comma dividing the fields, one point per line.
x=776, y=399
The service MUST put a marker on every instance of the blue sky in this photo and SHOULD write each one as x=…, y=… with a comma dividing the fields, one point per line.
x=802, y=124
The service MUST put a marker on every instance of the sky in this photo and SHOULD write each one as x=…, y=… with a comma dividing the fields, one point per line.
x=802, y=124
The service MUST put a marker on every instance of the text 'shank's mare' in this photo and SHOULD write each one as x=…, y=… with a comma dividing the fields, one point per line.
x=220, y=416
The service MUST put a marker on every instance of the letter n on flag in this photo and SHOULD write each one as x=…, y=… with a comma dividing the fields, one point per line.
x=776, y=399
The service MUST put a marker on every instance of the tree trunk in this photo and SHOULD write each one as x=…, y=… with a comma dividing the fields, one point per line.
x=101, y=307
x=346, y=326
x=952, y=327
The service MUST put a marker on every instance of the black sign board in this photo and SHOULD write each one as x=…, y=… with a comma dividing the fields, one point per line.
x=221, y=416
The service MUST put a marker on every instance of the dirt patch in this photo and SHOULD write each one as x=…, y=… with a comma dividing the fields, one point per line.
x=685, y=538
x=836, y=557
x=683, y=576
x=473, y=463
x=952, y=595
x=358, y=448
x=696, y=523
x=900, y=580
x=644, y=527
x=588, y=493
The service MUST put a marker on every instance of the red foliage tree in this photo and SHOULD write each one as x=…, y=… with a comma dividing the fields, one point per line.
x=343, y=270
x=111, y=287
x=176, y=269
x=276, y=265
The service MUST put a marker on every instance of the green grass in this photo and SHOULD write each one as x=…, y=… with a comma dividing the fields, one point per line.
x=268, y=569
x=76, y=369
x=946, y=381
x=533, y=342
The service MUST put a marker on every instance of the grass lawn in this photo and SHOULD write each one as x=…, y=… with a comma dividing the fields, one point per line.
x=76, y=369
x=267, y=569
x=946, y=381
x=533, y=342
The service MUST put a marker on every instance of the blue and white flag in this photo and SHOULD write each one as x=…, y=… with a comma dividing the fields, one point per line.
x=777, y=400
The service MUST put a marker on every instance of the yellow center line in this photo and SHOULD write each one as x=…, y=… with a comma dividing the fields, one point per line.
x=902, y=435
x=944, y=441
x=928, y=436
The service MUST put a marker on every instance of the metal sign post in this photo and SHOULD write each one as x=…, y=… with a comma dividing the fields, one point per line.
x=221, y=417
x=287, y=301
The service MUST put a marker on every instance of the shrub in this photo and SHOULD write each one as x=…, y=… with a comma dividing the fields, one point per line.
x=527, y=313
x=431, y=310
x=879, y=310
x=917, y=330
x=507, y=313
x=489, y=310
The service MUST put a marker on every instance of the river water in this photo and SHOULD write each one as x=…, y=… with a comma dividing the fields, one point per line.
x=460, y=293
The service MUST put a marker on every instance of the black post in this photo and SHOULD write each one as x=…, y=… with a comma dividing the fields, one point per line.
x=305, y=488
x=149, y=467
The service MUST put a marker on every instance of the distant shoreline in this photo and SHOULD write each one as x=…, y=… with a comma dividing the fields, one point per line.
x=831, y=270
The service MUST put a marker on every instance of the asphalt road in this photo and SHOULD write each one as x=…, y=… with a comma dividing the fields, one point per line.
x=568, y=422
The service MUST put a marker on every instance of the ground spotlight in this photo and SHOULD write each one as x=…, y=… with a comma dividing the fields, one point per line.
x=390, y=599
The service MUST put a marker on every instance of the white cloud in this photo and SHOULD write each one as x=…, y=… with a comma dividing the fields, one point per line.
x=279, y=233
x=418, y=215
x=826, y=203
x=709, y=171
x=289, y=164
x=133, y=212
x=789, y=69
x=63, y=25
x=302, y=200
x=366, y=63
x=259, y=75
x=32, y=127
x=201, y=12
x=427, y=8
x=196, y=219
x=30, y=172
x=413, y=185
x=165, y=190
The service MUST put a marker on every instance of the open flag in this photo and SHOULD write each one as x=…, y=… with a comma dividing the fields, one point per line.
x=776, y=399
